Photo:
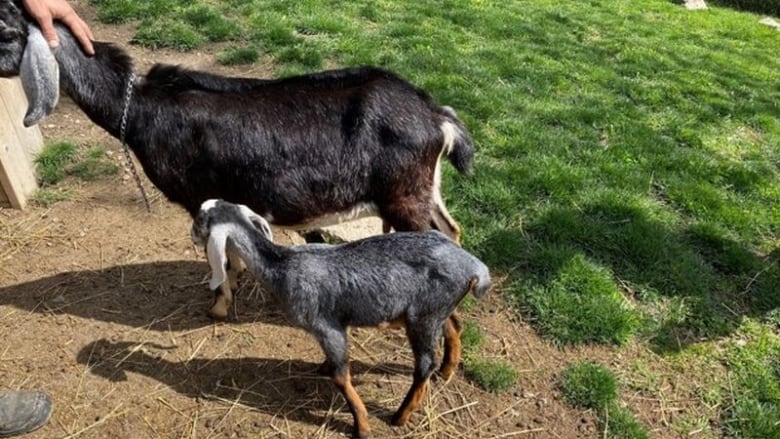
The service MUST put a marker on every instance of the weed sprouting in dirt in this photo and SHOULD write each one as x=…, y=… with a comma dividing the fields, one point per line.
x=53, y=160
x=592, y=386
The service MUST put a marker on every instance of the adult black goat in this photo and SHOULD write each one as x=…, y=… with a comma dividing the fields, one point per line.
x=304, y=151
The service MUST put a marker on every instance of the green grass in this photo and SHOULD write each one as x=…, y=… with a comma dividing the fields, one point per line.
x=238, y=55
x=627, y=150
x=53, y=160
x=580, y=304
x=491, y=375
x=754, y=410
x=592, y=386
x=61, y=159
x=94, y=165
x=47, y=197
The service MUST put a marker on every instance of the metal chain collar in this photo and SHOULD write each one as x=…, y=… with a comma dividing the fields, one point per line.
x=125, y=148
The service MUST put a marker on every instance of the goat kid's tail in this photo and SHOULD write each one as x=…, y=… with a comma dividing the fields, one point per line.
x=457, y=141
x=480, y=282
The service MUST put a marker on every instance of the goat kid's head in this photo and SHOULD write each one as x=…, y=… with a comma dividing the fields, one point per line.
x=24, y=52
x=214, y=223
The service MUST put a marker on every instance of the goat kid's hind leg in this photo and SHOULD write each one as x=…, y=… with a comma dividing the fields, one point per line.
x=452, y=329
x=334, y=343
x=422, y=336
x=234, y=268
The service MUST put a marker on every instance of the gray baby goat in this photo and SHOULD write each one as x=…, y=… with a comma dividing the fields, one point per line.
x=409, y=279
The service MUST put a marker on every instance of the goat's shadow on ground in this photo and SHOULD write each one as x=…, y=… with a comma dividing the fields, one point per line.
x=158, y=295
x=719, y=279
x=270, y=385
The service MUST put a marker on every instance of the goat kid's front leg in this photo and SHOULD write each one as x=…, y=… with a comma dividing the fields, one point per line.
x=343, y=381
x=333, y=341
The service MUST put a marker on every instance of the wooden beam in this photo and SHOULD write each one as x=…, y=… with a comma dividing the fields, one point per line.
x=18, y=146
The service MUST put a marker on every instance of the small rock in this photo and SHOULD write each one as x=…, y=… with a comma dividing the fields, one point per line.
x=771, y=22
x=692, y=5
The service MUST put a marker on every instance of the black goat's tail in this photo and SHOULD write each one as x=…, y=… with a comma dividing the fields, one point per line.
x=458, y=145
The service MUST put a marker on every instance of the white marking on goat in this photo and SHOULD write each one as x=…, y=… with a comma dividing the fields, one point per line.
x=361, y=210
x=451, y=132
x=208, y=204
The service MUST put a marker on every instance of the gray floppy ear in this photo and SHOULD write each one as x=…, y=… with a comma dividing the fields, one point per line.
x=40, y=75
x=217, y=257
x=262, y=226
x=258, y=222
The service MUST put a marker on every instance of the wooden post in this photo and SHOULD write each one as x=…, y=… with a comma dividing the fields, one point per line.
x=18, y=146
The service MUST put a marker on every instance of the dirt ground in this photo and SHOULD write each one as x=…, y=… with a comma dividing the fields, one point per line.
x=103, y=305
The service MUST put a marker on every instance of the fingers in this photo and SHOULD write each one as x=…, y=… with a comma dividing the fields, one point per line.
x=45, y=12
x=43, y=16
x=80, y=30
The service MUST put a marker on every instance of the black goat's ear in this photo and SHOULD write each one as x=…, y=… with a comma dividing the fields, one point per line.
x=40, y=77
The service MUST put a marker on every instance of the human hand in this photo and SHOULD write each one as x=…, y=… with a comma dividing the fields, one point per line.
x=46, y=11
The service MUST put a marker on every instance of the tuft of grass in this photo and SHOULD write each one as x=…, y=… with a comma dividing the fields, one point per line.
x=170, y=33
x=46, y=197
x=493, y=376
x=238, y=55
x=754, y=410
x=94, y=165
x=471, y=338
x=53, y=160
x=58, y=160
x=582, y=304
x=211, y=23
x=590, y=386
x=621, y=423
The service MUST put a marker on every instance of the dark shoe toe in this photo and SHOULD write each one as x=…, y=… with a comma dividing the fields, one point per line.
x=22, y=412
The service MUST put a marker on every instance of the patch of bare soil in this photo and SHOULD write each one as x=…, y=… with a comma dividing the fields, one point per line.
x=103, y=305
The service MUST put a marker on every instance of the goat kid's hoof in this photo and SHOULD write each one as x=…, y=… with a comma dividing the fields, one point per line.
x=217, y=313
x=361, y=434
x=446, y=373
x=398, y=421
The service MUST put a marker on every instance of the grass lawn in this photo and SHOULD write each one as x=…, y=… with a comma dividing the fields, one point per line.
x=627, y=180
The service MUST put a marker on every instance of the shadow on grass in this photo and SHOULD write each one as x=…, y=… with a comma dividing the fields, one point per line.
x=157, y=296
x=717, y=279
x=246, y=381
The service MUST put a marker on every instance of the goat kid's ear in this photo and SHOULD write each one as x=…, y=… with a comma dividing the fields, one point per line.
x=217, y=257
x=40, y=77
x=262, y=226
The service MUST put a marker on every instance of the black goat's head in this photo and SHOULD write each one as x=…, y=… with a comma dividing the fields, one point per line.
x=24, y=52
x=13, y=37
